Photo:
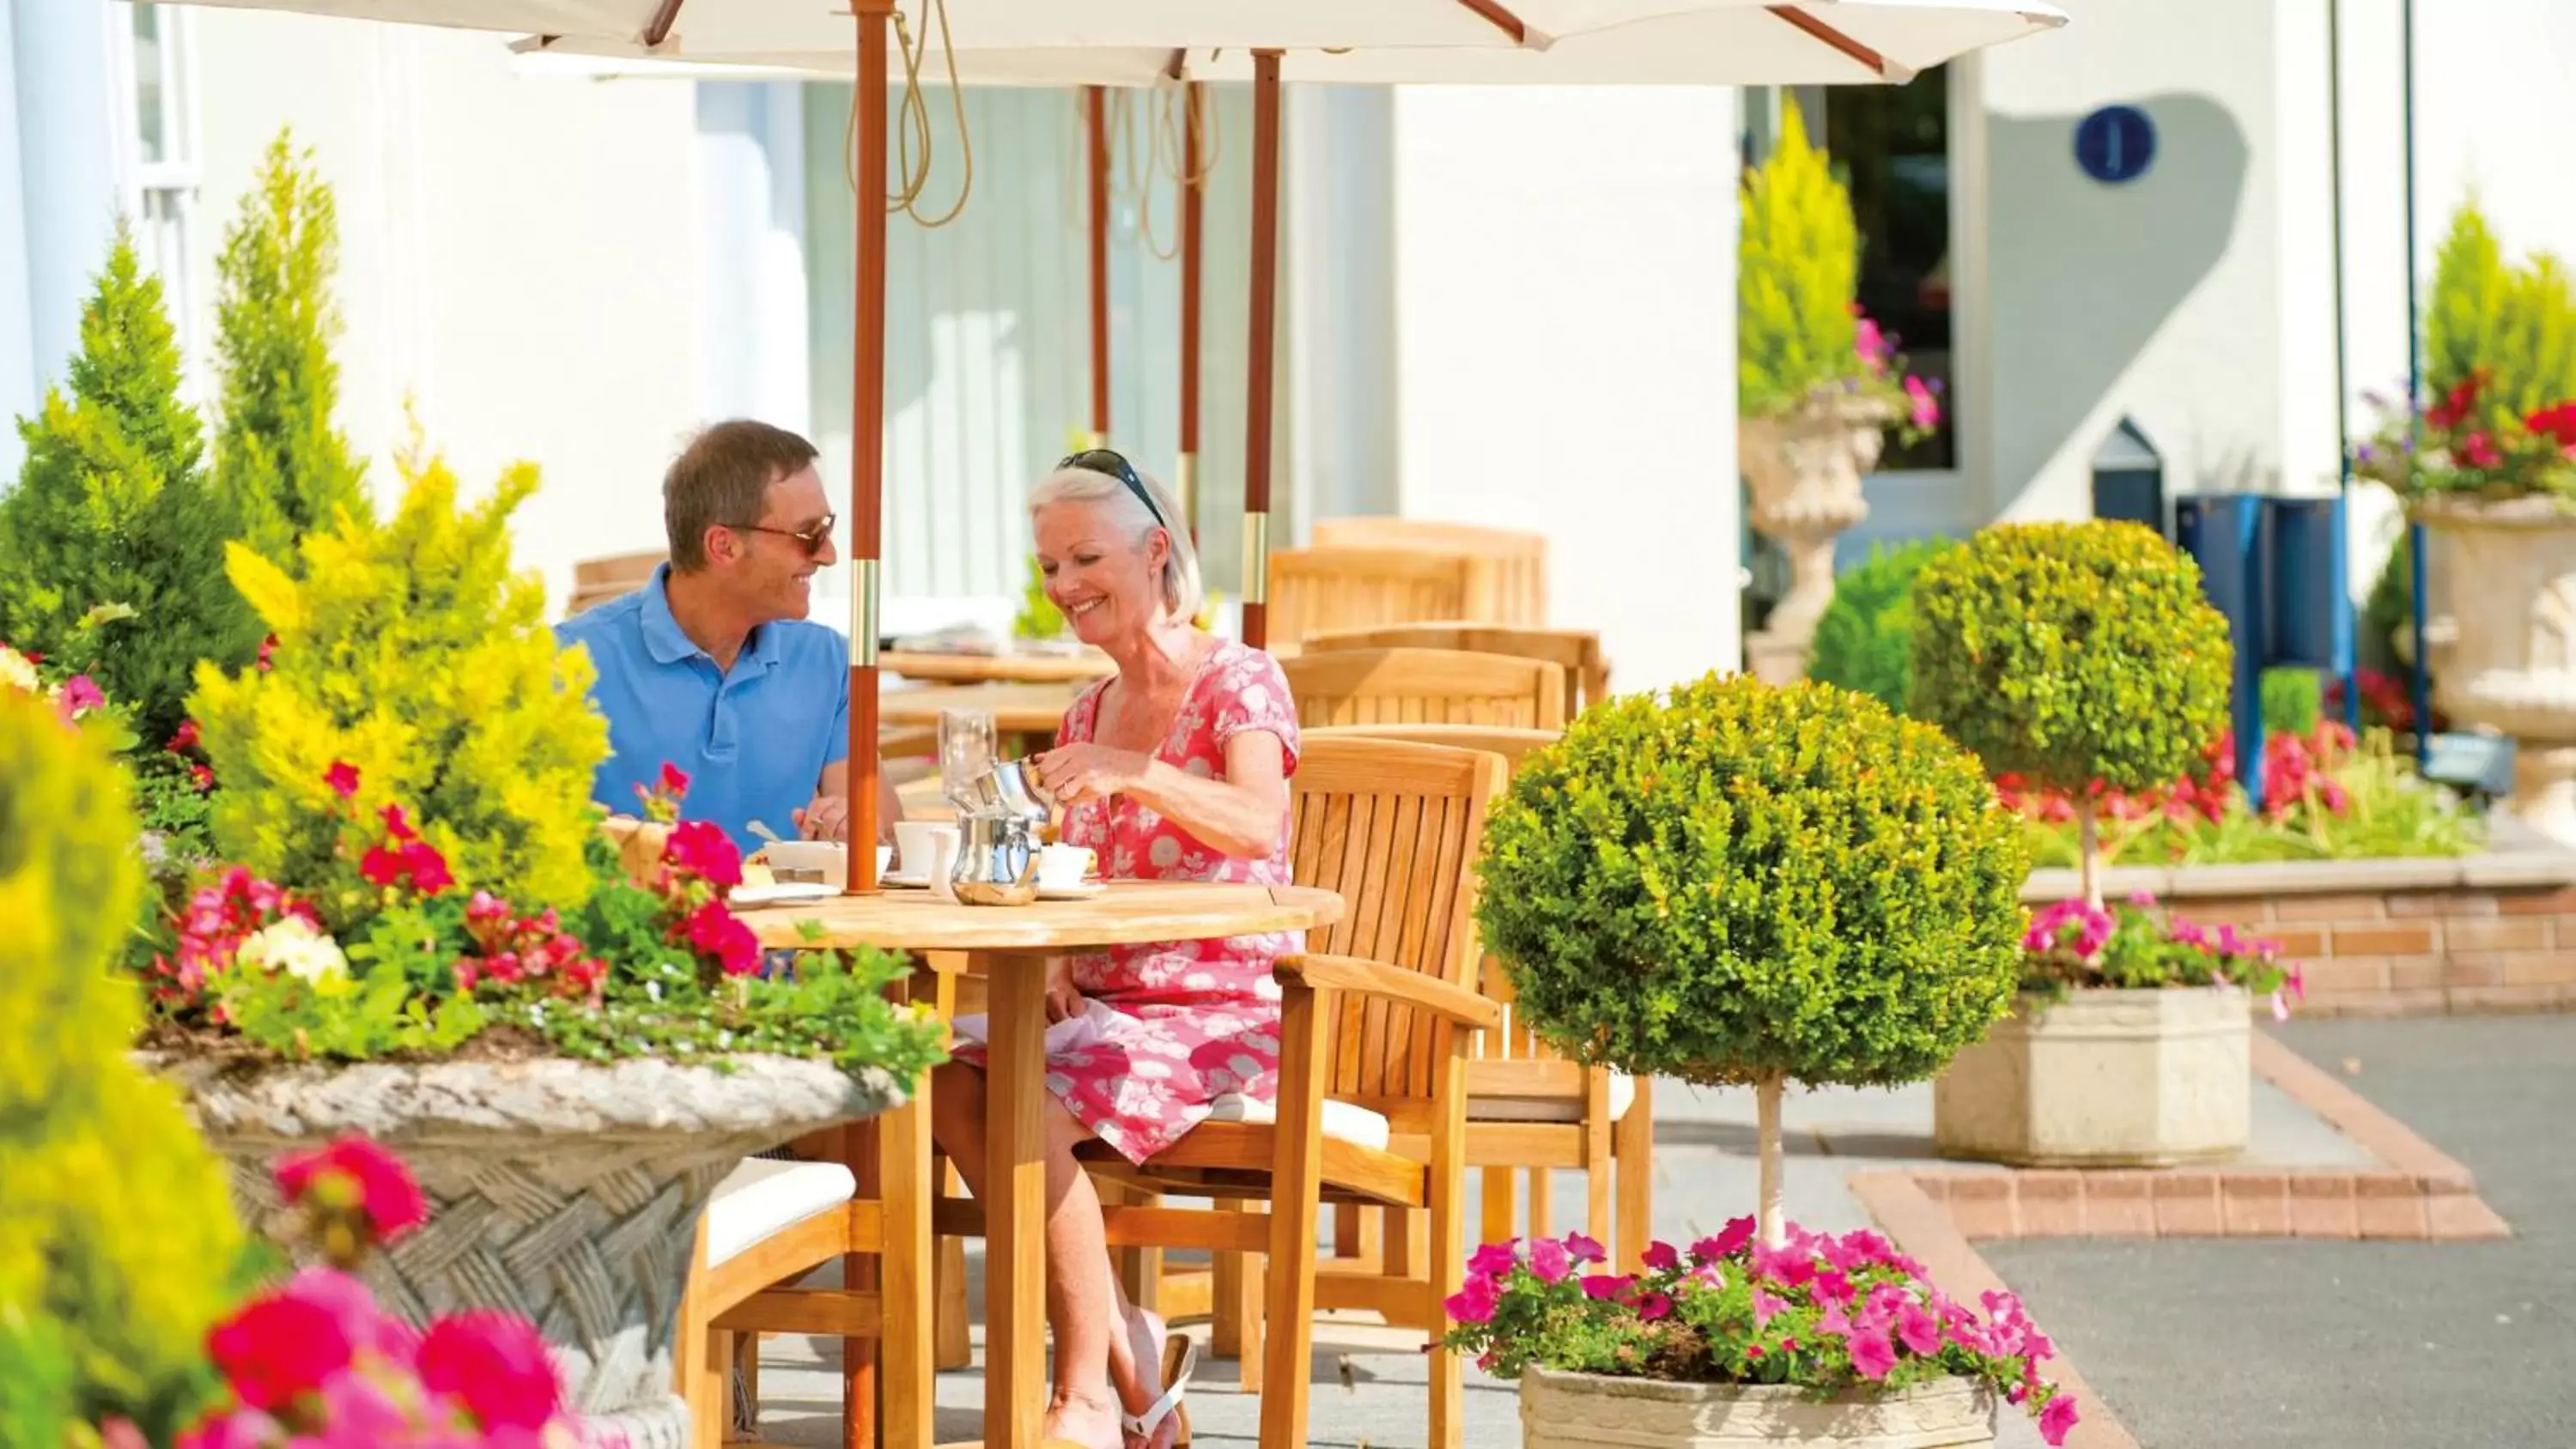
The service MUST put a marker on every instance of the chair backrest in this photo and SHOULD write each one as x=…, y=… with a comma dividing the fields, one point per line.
x=1507, y=583
x=1576, y=651
x=1515, y=1043
x=1394, y=827
x=1342, y=588
x=595, y=581
x=1425, y=686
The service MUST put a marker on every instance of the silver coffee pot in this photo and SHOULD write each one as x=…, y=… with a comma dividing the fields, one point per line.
x=997, y=827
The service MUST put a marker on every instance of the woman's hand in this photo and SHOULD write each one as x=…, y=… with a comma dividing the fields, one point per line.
x=1063, y=998
x=1076, y=773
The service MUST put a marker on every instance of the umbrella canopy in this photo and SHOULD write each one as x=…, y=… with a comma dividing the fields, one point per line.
x=1371, y=42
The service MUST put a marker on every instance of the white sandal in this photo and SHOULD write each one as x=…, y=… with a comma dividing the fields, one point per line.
x=1180, y=1360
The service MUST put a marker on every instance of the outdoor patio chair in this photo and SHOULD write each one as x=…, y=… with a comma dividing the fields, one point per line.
x=1576, y=651
x=1506, y=580
x=1425, y=686
x=1313, y=589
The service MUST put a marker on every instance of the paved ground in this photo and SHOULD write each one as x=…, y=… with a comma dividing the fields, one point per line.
x=1368, y=1379
x=2214, y=1345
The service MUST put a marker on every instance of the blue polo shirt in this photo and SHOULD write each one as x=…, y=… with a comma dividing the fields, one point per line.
x=754, y=740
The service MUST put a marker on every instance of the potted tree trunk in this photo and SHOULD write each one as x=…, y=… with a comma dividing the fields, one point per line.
x=1819, y=385
x=417, y=931
x=1742, y=885
x=2084, y=658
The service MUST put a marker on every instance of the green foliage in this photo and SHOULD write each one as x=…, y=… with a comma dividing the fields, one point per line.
x=2516, y=324
x=279, y=463
x=113, y=508
x=1038, y=617
x=411, y=651
x=1798, y=272
x=1733, y=882
x=1865, y=640
x=116, y=1229
x=2128, y=947
x=2072, y=652
x=2292, y=701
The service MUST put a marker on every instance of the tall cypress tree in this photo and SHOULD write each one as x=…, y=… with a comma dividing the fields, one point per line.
x=279, y=463
x=113, y=506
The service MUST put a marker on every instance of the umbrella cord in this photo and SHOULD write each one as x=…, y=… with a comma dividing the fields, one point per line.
x=1168, y=159
x=912, y=129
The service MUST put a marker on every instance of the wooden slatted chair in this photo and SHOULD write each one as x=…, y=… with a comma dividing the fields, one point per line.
x=1425, y=686
x=1313, y=589
x=1377, y=1021
x=1507, y=582
x=1576, y=651
x=596, y=581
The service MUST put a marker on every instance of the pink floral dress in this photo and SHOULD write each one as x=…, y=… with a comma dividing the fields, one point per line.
x=1197, y=1019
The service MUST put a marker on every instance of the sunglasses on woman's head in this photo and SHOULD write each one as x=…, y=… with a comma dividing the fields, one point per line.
x=1110, y=464
x=813, y=535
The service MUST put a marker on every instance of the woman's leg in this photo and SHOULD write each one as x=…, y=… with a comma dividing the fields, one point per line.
x=1081, y=1291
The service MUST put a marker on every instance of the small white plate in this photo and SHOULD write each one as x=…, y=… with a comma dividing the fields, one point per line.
x=779, y=895
x=902, y=881
x=1082, y=892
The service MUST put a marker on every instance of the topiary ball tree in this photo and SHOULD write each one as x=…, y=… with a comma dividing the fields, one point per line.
x=1865, y=640
x=2076, y=655
x=1738, y=884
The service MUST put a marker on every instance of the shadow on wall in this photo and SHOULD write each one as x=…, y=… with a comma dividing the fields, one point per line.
x=2083, y=274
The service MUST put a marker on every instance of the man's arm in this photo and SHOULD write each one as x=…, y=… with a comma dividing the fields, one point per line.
x=828, y=817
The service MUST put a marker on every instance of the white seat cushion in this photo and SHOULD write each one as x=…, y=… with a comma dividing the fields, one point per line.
x=1343, y=1122
x=764, y=1197
x=1623, y=1094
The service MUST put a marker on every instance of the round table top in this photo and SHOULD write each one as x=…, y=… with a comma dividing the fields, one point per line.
x=1127, y=913
x=1017, y=709
x=1006, y=668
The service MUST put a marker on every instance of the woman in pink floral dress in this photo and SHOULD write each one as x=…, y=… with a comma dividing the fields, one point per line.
x=1175, y=768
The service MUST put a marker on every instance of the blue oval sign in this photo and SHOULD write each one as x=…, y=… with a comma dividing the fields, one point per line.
x=2115, y=144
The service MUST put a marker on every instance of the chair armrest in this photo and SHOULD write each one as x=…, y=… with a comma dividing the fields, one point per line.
x=1389, y=983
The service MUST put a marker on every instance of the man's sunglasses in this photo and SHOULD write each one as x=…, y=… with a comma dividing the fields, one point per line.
x=814, y=535
x=1109, y=464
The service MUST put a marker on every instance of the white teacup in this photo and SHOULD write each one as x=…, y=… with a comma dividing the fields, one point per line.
x=916, y=843
x=1061, y=867
x=806, y=861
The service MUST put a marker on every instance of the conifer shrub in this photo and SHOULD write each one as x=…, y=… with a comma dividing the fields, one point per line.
x=113, y=509
x=279, y=463
x=118, y=1247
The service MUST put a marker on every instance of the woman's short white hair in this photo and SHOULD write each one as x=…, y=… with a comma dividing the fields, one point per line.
x=1182, y=590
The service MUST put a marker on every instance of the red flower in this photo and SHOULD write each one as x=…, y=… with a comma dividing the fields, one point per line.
x=496, y=1365
x=186, y=739
x=278, y=1348
x=357, y=1174
x=397, y=825
x=2480, y=450
x=427, y=868
x=712, y=931
x=2453, y=410
x=343, y=778
x=204, y=777
x=704, y=850
x=674, y=779
x=382, y=866
x=2558, y=423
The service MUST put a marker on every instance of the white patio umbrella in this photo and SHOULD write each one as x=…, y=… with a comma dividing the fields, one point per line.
x=1091, y=42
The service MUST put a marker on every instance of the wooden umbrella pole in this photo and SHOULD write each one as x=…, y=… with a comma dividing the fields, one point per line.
x=1095, y=127
x=1193, y=199
x=867, y=438
x=1260, y=343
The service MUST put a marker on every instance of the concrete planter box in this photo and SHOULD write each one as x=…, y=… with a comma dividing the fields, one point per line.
x=563, y=1191
x=1582, y=1411
x=2103, y=1079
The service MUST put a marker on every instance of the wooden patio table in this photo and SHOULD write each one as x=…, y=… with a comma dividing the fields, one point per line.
x=1010, y=946
x=1005, y=667
x=1024, y=713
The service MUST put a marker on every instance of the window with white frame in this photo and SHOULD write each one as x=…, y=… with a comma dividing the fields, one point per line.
x=158, y=156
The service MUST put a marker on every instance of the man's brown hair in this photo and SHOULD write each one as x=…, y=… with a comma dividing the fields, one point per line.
x=722, y=477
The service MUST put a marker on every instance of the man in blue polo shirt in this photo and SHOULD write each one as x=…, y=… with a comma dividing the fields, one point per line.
x=713, y=667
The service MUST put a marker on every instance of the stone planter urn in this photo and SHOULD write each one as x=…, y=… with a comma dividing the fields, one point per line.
x=1584, y=1411
x=2510, y=664
x=2104, y=1078
x=1805, y=469
x=563, y=1191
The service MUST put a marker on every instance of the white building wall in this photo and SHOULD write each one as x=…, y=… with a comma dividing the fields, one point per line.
x=519, y=257
x=1565, y=350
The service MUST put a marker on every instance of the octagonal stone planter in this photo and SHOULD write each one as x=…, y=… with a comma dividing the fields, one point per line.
x=1580, y=1411
x=2104, y=1079
x=560, y=1190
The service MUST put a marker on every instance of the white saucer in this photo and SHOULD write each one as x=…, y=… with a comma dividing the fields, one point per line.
x=899, y=880
x=1082, y=892
x=750, y=897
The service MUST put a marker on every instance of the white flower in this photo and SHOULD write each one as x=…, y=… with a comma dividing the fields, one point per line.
x=16, y=670
x=296, y=947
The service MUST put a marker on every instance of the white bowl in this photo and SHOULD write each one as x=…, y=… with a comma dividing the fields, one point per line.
x=830, y=857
